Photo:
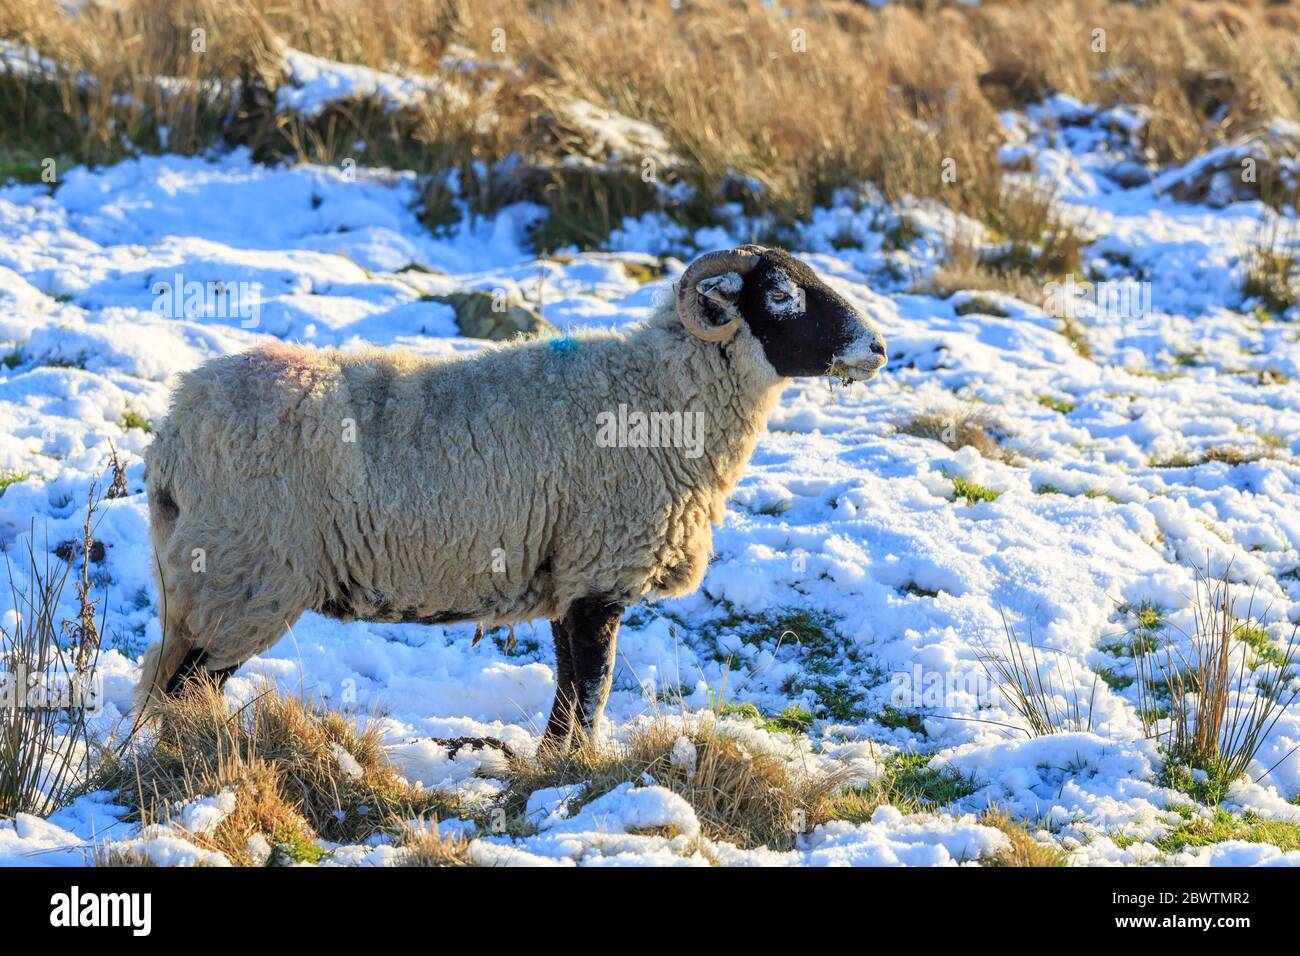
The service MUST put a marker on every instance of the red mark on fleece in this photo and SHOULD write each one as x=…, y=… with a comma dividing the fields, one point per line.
x=280, y=361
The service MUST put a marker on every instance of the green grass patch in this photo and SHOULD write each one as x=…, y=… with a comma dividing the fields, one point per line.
x=1143, y=635
x=1151, y=373
x=1147, y=616
x=1199, y=832
x=1257, y=639
x=10, y=476
x=822, y=655
x=743, y=709
x=793, y=720
x=26, y=166
x=1095, y=494
x=910, y=774
x=133, y=419
x=1113, y=680
x=291, y=846
x=970, y=491
x=908, y=783
x=808, y=628
x=896, y=719
x=1208, y=786
x=838, y=699
x=1056, y=404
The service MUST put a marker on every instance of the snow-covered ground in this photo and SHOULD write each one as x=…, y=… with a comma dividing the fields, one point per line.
x=839, y=513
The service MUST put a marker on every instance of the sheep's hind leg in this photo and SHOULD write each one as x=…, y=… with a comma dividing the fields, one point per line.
x=591, y=626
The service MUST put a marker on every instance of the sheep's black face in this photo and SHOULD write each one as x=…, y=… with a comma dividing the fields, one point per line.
x=804, y=327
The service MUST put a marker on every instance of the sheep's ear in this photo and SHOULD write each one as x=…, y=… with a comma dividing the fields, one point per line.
x=722, y=290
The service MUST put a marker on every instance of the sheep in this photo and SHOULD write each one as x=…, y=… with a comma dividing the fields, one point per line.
x=526, y=481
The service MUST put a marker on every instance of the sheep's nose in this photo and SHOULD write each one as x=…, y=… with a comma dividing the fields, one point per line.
x=878, y=347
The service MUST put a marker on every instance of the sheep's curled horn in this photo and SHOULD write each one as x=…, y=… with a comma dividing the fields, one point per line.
x=740, y=260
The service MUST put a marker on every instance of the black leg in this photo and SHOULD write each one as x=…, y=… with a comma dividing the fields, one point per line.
x=592, y=628
x=560, y=726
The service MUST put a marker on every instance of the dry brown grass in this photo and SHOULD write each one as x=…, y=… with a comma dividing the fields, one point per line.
x=281, y=758
x=963, y=270
x=1024, y=849
x=861, y=95
x=427, y=848
x=961, y=428
x=46, y=744
x=112, y=854
x=1272, y=273
x=741, y=796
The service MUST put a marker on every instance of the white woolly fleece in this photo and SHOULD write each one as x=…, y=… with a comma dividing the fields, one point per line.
x=386, y=486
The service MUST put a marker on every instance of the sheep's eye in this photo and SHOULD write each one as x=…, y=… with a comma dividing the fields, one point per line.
x=780, y=295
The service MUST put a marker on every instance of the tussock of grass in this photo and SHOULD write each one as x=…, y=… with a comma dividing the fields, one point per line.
x=116, y=855
x=585, y=204
x=424, y=847
x=1272, y=276
x=46, y=752
x=742, y=796
x=1216, y=722
x=1146, y=616
x=979, y=305
x=1028, y=245
x=1047, y=702
x=964, y=428
x=297, y=771
x=1024, y=849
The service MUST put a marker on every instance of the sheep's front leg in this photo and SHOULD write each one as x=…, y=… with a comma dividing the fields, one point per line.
x=560, y=726
x=588, y=633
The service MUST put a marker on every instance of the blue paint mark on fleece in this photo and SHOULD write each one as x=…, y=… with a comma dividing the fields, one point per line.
x=564, y=344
